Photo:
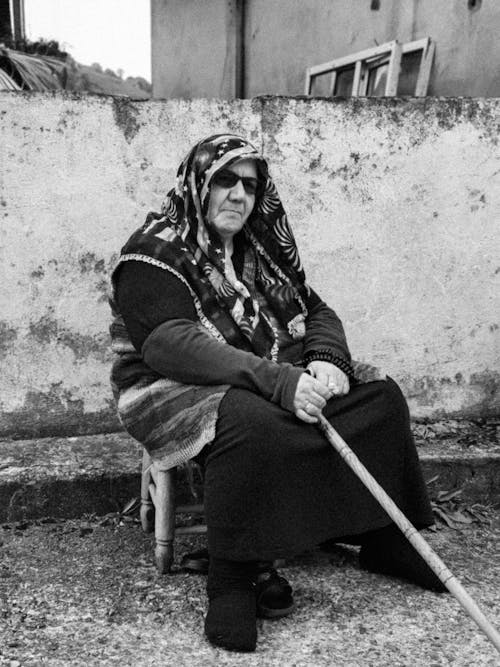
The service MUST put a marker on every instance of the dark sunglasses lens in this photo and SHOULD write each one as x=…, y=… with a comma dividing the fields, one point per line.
x=228, y=179
x=250, y=185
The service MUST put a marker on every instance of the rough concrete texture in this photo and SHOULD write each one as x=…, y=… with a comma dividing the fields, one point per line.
x=70, y=477
x=394, y=204
x=78, y=175
x=86, y=593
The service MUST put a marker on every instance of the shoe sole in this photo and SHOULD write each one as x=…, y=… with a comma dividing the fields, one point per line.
x=198, y=566
x=268, y=612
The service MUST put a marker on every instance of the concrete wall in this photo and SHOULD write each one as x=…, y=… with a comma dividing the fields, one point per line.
x=395, y=205
x=196, y=52
x=281, y=38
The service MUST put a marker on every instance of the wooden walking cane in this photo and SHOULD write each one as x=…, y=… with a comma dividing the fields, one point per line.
x=410, y=532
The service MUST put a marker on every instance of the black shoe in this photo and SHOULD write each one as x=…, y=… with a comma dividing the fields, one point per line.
x=274, y=595
x=196, y=561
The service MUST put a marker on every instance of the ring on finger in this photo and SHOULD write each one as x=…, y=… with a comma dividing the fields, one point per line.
x=308, y=406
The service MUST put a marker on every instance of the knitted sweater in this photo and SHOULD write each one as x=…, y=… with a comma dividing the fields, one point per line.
x=164, y=354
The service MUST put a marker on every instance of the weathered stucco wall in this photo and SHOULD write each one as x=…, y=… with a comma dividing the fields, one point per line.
x=278, y=40
x=395, y=205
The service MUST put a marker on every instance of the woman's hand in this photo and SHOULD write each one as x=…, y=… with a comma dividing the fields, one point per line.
x=330, y=376
x=311, y=396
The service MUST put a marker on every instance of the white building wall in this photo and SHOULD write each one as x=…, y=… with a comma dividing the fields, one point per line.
x=194, y=43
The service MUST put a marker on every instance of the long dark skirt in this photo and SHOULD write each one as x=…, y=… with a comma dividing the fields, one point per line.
x=275, y=487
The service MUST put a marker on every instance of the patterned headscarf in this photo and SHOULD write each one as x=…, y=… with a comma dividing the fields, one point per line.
x=180, y=240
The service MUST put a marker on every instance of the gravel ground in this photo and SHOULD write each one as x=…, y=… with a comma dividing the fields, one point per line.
x=86, y=593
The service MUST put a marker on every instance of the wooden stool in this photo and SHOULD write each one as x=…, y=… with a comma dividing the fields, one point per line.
x=158, y=511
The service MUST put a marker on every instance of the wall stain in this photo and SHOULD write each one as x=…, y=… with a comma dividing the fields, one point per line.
x=48, y=330
x=104, y=287
x=126, y=114
x=38, y=273
x=353, y=187
x=427, y=391
x=62, y=123
x=315, y=162
x=91, y=263
x=351, y=169
x=44, y=330
x=453, y=110
x=420, y=118
x=57, y=413
x=84, y=345
x=489, y=381
x=477, y=198
x=7, y=337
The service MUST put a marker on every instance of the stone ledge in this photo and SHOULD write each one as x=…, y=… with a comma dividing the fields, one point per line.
x=70, y=477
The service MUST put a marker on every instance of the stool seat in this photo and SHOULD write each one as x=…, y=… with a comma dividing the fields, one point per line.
x=158, y=511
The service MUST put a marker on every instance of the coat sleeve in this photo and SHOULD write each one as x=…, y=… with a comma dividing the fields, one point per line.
x=159, y=315
x=325, y=337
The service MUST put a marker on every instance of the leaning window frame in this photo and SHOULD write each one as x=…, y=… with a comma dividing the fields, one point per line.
x=365, y=60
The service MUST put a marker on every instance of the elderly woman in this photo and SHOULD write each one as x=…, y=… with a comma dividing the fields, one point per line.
x=225, y=354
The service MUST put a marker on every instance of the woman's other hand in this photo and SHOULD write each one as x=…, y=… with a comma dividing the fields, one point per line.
x=311, y=396
x=330, y=376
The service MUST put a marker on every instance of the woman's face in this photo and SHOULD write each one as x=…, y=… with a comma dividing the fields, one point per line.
x=230, y=204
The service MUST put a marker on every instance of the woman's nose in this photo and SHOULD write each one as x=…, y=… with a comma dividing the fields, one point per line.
x=237, y=191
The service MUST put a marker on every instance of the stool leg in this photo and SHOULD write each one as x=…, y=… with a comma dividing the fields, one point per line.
x=147, y=511
x=164, y=519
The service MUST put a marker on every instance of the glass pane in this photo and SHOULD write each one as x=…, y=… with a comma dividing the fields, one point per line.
x=343, y=84
x=321, y=85
x=377, y=79
x=410, y=64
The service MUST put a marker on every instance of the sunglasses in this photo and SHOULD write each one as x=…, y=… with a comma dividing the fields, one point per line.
x=228, y=179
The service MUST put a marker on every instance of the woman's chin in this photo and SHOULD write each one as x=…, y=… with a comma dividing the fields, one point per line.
x=229, y=228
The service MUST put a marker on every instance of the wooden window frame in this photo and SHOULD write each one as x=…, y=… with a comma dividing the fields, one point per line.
x=364, y=61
